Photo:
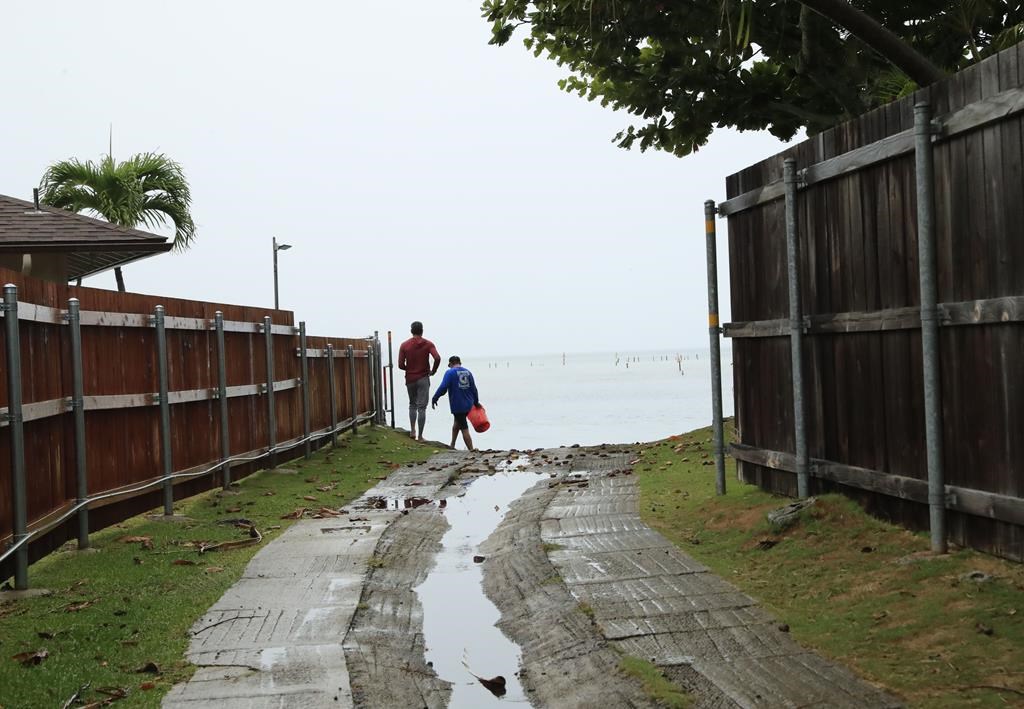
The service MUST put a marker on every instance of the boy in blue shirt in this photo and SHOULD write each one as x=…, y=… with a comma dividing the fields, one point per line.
x=458, y=383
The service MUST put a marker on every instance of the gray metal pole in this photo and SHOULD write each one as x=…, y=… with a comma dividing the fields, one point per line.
x=77, y=406
x=307, y=446
x=714, y=332
x=391, y=377
x=796, y=330
x=222, y=395
x=17, y=428
x=165, y=409
x=378, y=374
x=268, y=338
x=276, y=303
x=371, y=371
x=930, y=324
x=352, y=386
x=330, y=394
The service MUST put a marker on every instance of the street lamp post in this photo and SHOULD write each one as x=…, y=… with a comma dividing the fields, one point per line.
x=277, y=247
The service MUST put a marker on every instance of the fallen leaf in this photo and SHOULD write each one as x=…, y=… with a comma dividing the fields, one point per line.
x=150, y=667
x=31, y=658
x=146, y=686
x=134, y=540
x=269, y=493
x=310, y=498
x=46, y=634
x=183, y=562
x=296, y=514
x=233, y=509
x=74, y=607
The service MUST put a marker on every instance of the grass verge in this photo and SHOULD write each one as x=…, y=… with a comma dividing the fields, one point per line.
x=118, y=618
x=656, y=685
x=859, y=590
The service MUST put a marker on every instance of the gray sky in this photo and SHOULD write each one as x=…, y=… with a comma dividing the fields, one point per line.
x=419, y=172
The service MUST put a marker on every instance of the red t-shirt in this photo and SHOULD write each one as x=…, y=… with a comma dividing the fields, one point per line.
x=413, y=357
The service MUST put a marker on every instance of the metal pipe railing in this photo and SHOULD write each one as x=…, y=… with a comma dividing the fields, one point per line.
x=19, y=543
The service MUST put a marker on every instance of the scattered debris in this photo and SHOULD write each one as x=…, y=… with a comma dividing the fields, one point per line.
x=73, y=699
x=183, y=562
x=984, y=629
x=766, y=544
x=30, y=659
x=977, y=577
x=784, y=517
x=150, y=668
x=80, y=606
x=297, y=514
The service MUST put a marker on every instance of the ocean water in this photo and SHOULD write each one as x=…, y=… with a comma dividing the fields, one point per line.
x=544, y=401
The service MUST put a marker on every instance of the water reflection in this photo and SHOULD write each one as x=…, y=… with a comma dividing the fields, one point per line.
x=458, y=619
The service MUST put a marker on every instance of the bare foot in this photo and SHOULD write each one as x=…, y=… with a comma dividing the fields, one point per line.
x=421, y=438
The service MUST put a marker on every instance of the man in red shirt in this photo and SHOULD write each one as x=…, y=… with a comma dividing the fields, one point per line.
x=414, y=358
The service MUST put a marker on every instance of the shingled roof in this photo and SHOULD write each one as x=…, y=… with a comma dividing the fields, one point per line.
x=91, y=245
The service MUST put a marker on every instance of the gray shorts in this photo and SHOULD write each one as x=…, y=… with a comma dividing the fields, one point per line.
x=419, y=394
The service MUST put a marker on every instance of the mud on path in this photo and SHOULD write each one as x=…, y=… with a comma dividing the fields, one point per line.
x=578, y=579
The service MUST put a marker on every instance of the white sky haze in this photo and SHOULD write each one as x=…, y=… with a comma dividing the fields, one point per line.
x=419, y=172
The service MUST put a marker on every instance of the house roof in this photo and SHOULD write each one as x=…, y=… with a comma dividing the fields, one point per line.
x=91, y=245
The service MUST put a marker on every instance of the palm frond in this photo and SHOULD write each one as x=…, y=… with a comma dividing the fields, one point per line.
x=146, y=189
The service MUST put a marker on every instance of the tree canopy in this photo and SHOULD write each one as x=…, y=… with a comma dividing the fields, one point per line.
x=685, y=67
x=147, y=189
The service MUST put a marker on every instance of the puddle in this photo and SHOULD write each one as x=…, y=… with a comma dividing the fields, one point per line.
x=458, y=619
x=394, y=503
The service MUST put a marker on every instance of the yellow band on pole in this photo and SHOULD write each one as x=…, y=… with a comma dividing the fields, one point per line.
x=709, y=226
x=712, y=319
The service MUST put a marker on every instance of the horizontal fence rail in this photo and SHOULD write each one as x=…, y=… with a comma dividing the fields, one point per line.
x=112, y=394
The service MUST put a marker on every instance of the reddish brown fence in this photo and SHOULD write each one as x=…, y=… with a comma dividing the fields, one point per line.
x=123, y=427
x=862, y=357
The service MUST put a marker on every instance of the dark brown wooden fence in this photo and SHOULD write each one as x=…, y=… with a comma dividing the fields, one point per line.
x=862, y=349
x=122, y=417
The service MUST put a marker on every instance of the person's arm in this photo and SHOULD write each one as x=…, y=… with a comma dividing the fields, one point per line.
x=437, y=360
x=402, y=357
x=442, y=389
x=472, y=388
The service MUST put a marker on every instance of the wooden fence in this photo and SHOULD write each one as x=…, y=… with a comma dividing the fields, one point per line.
x=121, y=385
x=862, y=358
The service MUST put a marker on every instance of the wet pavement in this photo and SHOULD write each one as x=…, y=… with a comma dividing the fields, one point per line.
x=399, y=608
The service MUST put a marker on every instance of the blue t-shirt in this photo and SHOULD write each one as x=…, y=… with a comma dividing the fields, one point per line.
x=461, y=389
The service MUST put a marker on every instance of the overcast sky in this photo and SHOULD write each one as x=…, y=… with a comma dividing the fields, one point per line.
x=419, y=172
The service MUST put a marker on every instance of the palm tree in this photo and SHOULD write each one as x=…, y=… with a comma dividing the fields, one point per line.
x=147, y=189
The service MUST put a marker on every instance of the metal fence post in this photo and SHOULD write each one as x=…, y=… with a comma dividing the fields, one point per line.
x=378, y=361
x=165, y=409
x=222, y=395
x=391, y=377
x=352, y=386
x=714, y=332
x=930, y=324
x=268, y=338
x=77, y=406
x=371, y=371
x=796, y=330
x=19, y=501
x=303, y=355
x=330, y=394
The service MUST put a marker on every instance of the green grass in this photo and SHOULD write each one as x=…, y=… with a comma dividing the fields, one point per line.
x=857, y=589
x=140, y=603
x=656, y=685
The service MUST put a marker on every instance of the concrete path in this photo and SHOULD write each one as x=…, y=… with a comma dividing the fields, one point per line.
x=325, y=616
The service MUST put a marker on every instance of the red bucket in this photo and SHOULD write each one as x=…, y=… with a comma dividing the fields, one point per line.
x=478, y=417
